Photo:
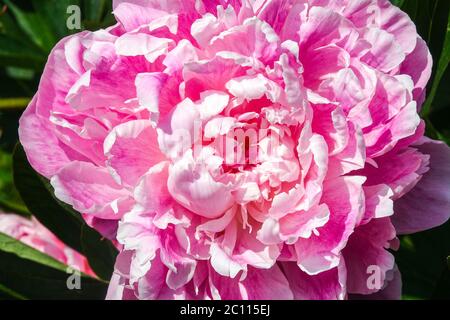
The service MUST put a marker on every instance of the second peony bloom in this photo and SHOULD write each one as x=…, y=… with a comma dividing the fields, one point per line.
x=244, y=149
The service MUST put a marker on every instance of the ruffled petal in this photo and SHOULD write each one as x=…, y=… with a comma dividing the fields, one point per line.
x=427, y=205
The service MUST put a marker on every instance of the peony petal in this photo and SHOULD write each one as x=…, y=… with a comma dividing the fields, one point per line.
x=427, y=205
x=196, y=189
x=345, y=200
x=379, y=202
x=148, y=88
x=418, y=65
x=328, y=285
x=134, y=15
x=142, y=45
x=132, y=149
x=40, y=144
x=250, y=88
x=269, y=284
x=90, y=189
x=367, y=258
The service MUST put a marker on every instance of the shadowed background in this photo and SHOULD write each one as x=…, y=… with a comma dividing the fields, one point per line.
x=30, y=28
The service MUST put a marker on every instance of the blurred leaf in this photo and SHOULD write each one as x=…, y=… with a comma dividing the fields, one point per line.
x=443, y=287
x=12, y=103
x=21, y=250
x=102, y=257
x=425, y=14
x=9, y=27
x=97, y=14
x=10, y=200
x=439, y=113
x=398, y=3
x=9, y=121
x=35, y=275
x=9, y=294
x=20, y=73
x=30, y=28
x=13, y=207
x=34, y=26
x=94, y=10
x=14, y=53
x=62, y=220
x=440, y=71
x=410, y=7
x=437, y=28
x=55, y=12
x=422, y=258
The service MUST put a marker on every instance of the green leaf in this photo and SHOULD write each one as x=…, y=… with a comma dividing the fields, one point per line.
x=9, y=28
x=437, y=28
x=20, y=74
x=97, y=14
x=13, y=103
x=398, y=3
x=8, y=294
x=11, y=245
x=94, y=10
x=55, y=13
x=440, y=71
x=422, y=259
x=99, y=251
x=10, y=200
x=14, y=53
x=35, y=26
x=442, y=291
x=34, y=275
x=411, y=8
x=61, y=219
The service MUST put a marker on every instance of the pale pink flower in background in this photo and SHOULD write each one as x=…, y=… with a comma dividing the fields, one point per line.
x=35, y=235
x=343, y=168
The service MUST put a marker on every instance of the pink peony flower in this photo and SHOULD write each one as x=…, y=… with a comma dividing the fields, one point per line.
x=35, y=235
x=244, y=149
